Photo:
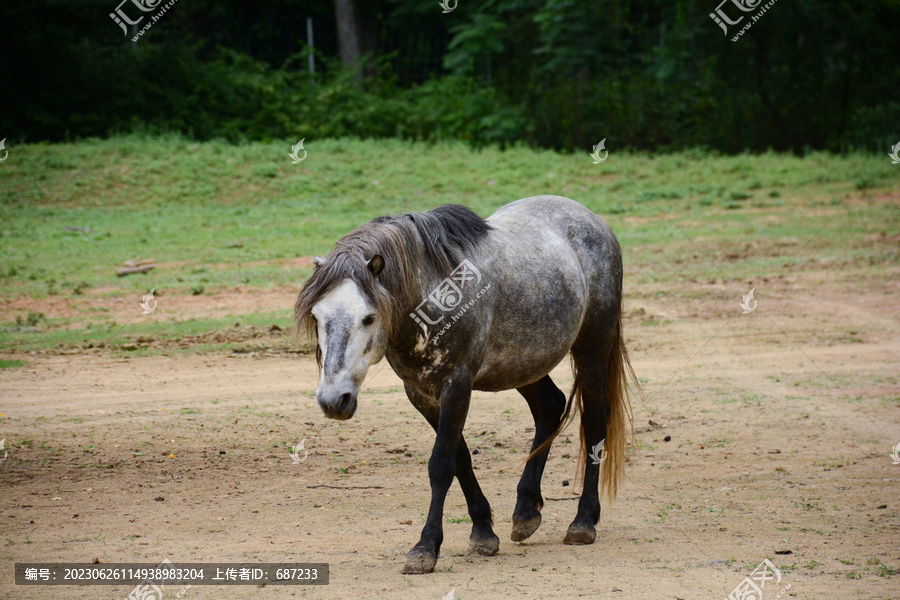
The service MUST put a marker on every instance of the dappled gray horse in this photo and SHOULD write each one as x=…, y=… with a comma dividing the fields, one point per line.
x=456, y=302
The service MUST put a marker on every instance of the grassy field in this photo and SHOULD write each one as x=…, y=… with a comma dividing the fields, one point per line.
x=216, y=217
x=765, y=435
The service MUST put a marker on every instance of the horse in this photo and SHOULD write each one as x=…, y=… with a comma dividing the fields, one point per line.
x=458, y=303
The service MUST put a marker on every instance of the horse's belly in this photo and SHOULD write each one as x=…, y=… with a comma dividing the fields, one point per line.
x=529, y=347
x=504, y=373
x=538, y=312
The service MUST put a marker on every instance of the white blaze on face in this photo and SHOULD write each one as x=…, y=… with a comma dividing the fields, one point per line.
x=351, y=338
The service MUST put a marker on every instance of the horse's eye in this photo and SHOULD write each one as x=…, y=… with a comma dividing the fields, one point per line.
x=368, y=320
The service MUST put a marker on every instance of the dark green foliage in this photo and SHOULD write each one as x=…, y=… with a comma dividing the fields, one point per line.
x=563, y=74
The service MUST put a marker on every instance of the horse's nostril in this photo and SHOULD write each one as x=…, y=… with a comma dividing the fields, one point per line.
x=337, y=405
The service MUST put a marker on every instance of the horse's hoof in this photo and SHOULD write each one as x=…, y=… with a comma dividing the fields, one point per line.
x=580, y=534
x=487, y=545
x=418, y=562
x=523, y=529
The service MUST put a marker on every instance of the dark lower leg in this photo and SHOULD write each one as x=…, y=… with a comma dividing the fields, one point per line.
x=454, y=405
x=593, y=423
x=482, y=540
x=547, y=404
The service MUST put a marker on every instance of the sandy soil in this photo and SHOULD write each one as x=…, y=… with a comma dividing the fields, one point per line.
x=780, y=424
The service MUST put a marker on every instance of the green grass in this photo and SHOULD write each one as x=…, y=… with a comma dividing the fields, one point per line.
x=215, y=216
x=130, y=337
x=465, y=519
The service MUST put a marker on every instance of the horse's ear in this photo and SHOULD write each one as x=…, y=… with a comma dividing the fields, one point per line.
x=318, y=261
x=376, y=265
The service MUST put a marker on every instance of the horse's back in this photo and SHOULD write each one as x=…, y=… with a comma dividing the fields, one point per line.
x=546, y=206
x=560, y=219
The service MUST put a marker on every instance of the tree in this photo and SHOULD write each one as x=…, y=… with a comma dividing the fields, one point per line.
x=348, y=30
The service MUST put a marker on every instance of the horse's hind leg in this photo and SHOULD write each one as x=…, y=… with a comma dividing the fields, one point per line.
x=591, y=369
x=483, y=540
x=547, y=403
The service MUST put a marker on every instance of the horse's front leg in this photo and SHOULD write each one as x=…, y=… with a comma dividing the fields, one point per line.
x=454, y=402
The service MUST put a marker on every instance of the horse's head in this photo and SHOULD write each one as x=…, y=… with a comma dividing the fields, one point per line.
x=351, y=338
x=360, y=296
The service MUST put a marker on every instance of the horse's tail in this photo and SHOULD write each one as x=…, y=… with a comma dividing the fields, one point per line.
x=620, y=421
x=621, y=418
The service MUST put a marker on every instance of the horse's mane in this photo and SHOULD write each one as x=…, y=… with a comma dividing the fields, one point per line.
x=445, y=233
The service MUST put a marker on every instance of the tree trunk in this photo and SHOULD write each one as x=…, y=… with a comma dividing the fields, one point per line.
x=348, y=31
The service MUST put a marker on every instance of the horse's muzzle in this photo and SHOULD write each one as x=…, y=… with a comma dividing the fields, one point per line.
x=337, y=402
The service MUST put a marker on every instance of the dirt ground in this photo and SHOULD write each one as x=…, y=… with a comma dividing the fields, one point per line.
x=779, y=424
